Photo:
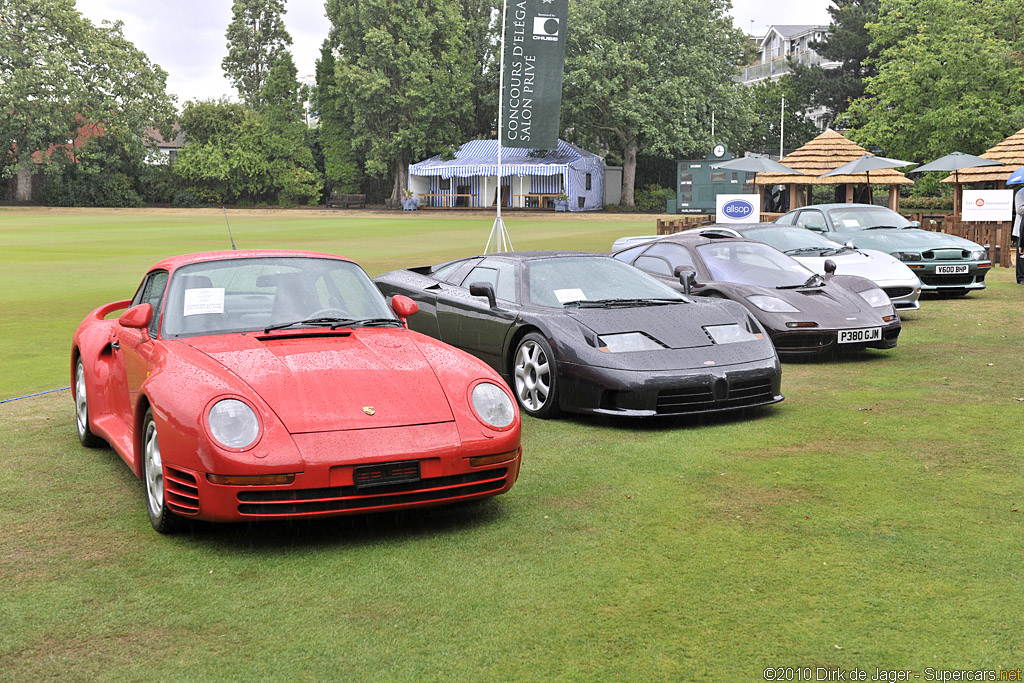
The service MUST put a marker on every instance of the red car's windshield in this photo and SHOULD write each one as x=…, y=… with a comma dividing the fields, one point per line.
x=243, y=294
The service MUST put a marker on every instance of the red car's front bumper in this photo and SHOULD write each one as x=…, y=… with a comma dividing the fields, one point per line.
x=326, y=483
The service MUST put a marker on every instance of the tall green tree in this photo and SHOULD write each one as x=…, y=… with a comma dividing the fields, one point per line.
x=848, y=43
x=403, y=79
x=341, y=165
x=58, y=71
x=288, y=150
x=482, y=27
x=236, y=154
x=256, y=38
x=950, y=77
x=646, y=75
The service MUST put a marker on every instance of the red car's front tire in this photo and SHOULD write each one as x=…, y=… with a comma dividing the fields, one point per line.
x=162, y=519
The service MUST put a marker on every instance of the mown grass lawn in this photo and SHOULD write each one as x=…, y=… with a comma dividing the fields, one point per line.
x=871, y=520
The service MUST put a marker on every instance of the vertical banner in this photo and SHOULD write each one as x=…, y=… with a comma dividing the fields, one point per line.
x=534, y=60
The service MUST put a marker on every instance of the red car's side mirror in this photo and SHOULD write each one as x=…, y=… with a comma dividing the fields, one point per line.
x=403, y=306
x=137, y=317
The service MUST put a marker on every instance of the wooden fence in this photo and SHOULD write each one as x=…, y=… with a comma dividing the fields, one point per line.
x=994, y=236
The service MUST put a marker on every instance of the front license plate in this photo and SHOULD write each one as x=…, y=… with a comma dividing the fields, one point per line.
x=854, y=336
x=367, y=476
x=952, y=270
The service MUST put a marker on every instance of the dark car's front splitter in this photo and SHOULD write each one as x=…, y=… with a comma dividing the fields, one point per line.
x=628, y=393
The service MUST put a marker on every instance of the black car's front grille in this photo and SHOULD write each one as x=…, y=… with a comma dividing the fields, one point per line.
x=345, y=498
x=894, y=292
x=801, y=341
x=947, y=280
x=701, y=399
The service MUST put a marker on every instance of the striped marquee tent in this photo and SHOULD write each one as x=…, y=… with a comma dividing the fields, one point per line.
x=528, y=177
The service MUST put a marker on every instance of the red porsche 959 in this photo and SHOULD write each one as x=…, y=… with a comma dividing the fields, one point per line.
x=251, y=385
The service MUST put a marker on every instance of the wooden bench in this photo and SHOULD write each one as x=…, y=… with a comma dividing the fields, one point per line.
x=344, y=201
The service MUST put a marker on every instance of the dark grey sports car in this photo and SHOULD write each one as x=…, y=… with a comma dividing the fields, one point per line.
x=584, y=333
x=804, y=312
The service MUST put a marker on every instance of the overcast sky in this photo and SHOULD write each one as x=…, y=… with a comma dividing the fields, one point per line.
x=186, y=38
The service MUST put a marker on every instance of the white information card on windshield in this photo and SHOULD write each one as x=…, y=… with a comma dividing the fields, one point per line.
x=566, y=295
x=204, y=300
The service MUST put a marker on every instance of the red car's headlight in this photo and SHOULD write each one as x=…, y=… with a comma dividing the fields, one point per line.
x=233, y=423
x=492, y=405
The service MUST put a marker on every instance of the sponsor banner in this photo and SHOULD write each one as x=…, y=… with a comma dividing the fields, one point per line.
x=737, y=208
x=987, y=205
x=534, y=60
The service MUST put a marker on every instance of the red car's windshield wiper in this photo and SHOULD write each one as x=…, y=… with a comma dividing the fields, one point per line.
x=335, y=323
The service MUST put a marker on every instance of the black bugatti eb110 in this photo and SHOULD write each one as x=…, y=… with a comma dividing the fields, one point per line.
x=582, y=332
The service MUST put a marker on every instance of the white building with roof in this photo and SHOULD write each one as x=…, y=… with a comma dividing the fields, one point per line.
x=779, y=43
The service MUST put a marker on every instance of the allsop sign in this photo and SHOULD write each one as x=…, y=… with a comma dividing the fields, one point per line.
x=737, y=208
x=534, y=58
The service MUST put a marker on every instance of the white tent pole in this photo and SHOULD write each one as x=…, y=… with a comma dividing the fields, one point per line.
x=499, y=235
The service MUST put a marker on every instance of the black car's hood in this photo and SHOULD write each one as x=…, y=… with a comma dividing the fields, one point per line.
x=677, y=326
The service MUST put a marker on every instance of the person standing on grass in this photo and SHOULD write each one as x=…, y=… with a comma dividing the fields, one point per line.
x=1015, y=235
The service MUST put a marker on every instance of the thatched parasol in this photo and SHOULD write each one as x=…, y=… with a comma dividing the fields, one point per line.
x=1010, y=152
x=827, y=152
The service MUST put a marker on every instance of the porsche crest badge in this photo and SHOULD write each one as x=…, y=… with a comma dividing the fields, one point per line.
x=369, y=410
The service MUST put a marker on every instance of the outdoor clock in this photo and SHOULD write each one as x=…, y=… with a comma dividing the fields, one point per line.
x=719, y=150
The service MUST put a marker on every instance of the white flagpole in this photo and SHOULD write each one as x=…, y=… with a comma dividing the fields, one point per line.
x=499, y=235
x=782, y=124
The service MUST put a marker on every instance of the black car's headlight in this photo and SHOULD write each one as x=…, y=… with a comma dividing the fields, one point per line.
x=875, y=297
x=906, y=256
x=492, y=405
x=627, y=341
x=772, y=304
x=233, y=423
x=730, y=334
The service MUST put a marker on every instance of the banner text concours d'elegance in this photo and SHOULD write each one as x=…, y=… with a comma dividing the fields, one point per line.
x=534, y=58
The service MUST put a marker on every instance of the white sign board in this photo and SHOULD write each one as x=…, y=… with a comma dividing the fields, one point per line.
x=738, y=208
x=988, y=205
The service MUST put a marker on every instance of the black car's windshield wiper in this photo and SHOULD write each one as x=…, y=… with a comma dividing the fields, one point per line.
x=613, y=303
x=335, y=323
x=811, y=282
x=803, y=250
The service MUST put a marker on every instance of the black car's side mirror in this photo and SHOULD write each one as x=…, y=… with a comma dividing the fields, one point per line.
x=484, y=289
x=687, y=277
x=830, y=266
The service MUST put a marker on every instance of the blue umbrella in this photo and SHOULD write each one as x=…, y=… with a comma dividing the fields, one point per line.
x=1017, y=177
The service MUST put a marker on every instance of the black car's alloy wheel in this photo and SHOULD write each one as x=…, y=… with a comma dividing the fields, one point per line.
x=533, y=370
